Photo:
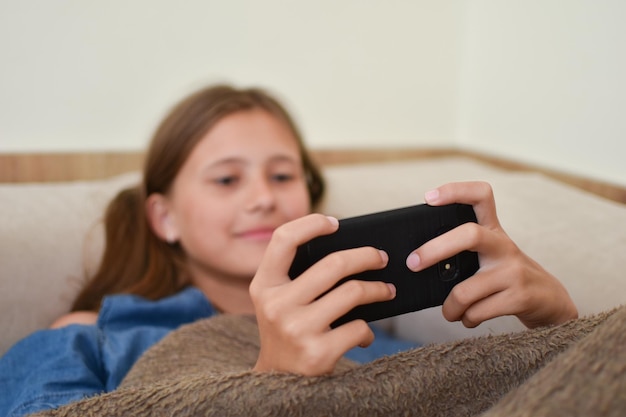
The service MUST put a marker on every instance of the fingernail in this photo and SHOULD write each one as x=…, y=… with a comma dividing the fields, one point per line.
x=333, y=220
x=413, y=261
x=392, y=290
x=431, y=196
x=384, y=256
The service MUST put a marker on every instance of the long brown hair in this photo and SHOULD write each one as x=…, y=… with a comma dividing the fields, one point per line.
x=135, y=260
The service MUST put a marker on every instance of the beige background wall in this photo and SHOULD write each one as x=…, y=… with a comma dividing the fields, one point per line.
x=99, y=74
x=544, y=81
x=540, y=81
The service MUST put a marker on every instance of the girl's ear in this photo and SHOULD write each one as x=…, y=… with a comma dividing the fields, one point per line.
x=161, y=219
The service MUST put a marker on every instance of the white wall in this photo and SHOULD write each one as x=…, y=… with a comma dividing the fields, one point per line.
x=544, y=81
x=540, y=81
x=98, y=75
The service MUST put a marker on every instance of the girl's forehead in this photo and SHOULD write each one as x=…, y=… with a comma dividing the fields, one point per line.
x=246, y=135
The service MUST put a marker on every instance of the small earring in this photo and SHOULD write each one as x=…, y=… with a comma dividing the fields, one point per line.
x=169, y=237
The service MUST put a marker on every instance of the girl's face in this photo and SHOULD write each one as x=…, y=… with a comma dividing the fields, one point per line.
x=241, y=181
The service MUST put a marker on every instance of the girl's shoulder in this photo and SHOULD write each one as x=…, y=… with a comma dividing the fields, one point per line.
x=188, y=305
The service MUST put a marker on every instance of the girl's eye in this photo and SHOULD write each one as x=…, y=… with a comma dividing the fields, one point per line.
x=226, y=181
x=282, y=177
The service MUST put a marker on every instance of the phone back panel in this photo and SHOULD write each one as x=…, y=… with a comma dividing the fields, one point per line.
x=398, y=232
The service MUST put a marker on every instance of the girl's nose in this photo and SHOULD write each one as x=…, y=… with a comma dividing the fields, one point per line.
x=261, y=196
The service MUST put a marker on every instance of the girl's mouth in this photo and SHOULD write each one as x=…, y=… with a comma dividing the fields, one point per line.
x=260, y=234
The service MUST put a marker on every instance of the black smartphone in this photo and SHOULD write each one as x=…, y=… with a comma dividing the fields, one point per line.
x=398, y=232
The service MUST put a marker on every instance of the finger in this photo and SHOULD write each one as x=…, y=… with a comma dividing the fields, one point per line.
x=349, y=335
x=348, y=295
x=477, y=299
x=486, y=309
x=284, y=243
x=324, y=274
x=477, y=194
x=468, y=236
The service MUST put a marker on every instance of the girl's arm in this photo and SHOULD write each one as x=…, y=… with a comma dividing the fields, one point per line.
x=75, y=317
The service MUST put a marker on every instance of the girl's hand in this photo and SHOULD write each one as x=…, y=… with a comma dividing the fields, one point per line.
x=294, y=318
x=508, y=281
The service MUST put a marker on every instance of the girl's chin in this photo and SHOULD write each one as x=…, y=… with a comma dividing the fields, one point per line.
x=251, y=262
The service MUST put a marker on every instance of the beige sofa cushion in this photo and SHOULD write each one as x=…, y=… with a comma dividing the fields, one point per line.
x=49, y=234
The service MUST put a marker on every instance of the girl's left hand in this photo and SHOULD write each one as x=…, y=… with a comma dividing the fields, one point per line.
x=508, y=281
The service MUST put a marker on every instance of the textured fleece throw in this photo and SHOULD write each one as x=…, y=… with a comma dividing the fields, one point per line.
x=575, y=369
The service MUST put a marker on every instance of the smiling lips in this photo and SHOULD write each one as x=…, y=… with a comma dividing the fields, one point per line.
x=260, y=234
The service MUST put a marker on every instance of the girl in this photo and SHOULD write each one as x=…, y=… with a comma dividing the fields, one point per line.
x=227, y=194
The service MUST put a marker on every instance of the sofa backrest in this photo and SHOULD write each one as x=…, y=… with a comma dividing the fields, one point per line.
x=50, y=234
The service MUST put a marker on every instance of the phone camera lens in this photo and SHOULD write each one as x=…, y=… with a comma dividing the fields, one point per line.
x=448, y=269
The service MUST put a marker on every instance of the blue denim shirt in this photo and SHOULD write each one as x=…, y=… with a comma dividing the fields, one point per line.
x=51, y=368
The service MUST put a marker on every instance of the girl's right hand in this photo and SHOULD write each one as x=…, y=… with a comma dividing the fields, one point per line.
x=294, y=318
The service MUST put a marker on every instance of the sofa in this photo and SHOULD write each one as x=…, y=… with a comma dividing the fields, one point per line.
x=51, y=238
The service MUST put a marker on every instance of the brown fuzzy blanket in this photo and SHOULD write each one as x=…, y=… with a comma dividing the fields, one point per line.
x=576, y=369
